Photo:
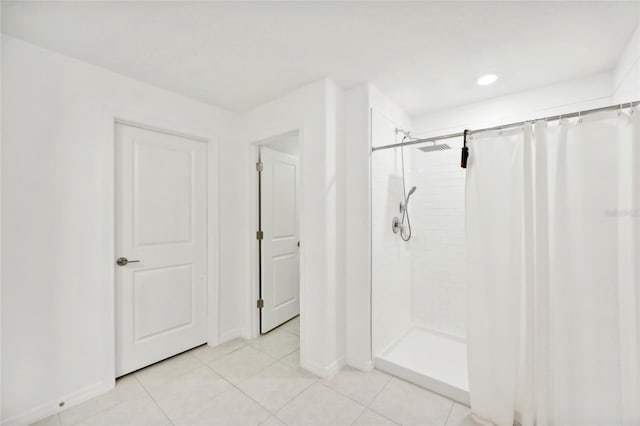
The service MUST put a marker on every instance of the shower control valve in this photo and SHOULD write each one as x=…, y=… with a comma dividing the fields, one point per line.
x=396, y=225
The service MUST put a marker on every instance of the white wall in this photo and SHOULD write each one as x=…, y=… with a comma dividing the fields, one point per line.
x=626, y=75
x=358, y=228
x=315, y=111
x=561, y=98
x=1, y=133
x=233, y=234
x=53, y=214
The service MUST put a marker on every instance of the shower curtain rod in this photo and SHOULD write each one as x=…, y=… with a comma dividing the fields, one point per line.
x=505, y=126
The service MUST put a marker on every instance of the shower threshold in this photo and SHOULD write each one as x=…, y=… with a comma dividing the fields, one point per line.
x=429, y=359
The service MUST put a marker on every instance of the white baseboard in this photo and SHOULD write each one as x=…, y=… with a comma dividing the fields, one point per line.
x=229, y=335
x=52, y=407
x=336, y=366
x=365, y=366
x=323, y=371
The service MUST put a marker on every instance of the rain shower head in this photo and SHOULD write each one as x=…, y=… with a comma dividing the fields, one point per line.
x=435, y=147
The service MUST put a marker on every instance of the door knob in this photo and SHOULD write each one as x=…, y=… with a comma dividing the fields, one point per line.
x=122, y=261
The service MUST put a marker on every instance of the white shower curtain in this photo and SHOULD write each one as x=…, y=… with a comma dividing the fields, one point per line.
x=553, y=238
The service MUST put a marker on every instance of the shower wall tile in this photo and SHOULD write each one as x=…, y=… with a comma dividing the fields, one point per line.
x=438, y=243
x=391, y=257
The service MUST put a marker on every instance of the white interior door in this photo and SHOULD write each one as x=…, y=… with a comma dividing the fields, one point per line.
x=161, y=228
x=280, y=284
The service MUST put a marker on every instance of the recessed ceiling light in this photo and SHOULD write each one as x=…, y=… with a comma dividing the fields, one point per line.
x=487, y=79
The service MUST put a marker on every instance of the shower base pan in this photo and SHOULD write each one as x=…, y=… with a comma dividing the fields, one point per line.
x=431, y=360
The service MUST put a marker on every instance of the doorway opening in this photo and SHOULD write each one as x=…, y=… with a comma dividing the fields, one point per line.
x=278, y=232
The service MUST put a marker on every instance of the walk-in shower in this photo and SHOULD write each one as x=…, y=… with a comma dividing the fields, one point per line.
x=418, y=294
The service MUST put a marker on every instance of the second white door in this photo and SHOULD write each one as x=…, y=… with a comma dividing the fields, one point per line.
x=161, y=231
x=280, y=283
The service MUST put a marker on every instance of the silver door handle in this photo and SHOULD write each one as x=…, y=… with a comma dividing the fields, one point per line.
x=122, y=261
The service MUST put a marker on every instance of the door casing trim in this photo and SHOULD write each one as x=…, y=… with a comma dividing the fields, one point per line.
x=111, y=116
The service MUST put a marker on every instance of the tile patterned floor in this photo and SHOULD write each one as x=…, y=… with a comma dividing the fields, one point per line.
x=259, y=382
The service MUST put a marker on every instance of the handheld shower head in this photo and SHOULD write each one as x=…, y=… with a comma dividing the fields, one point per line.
x=406, y=202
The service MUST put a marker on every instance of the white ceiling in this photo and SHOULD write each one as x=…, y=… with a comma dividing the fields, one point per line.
x=423, y=55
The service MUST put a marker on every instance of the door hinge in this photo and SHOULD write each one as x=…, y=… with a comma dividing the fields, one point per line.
x=259, y=166
x=260, y=303
x=259, y=235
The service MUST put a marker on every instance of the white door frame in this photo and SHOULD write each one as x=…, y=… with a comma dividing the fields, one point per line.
x=166, y=125
x=254, y=314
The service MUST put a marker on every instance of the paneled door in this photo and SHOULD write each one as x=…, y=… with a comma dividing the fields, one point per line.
x=161, y=245
x=280, y=280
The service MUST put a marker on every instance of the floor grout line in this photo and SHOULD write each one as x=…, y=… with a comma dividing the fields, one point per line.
x=273, y=361
x=354, y=400
x=154, y=400
x=235, y=386
x=245, y=343
x=449, y=413
x=373, y=410
x=315, y=380
x=420, y=387
x=98, y=411
x=361, y=414
x=384, y=387
x=342, y=394
x=364, y=410
x=391, y=377
x=277, y=361
x=295, y=350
